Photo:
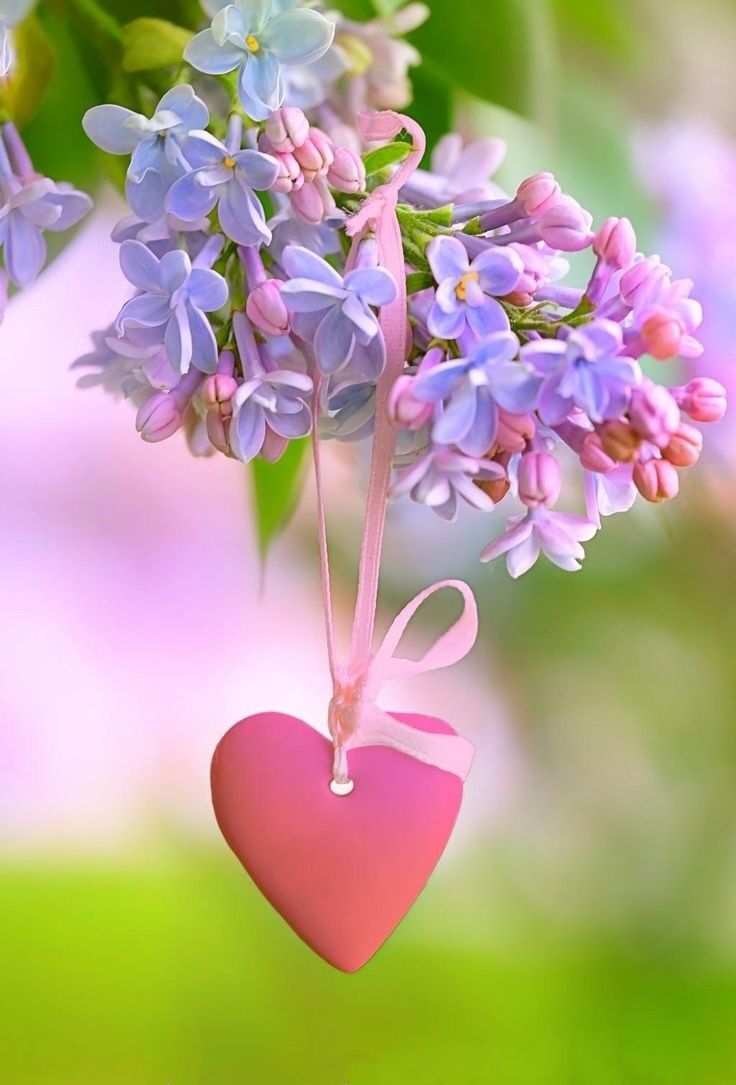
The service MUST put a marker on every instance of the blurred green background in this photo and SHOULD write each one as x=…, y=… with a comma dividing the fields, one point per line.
x=584, y=935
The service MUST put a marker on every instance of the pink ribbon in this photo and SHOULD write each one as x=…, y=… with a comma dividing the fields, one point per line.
x=354, y=717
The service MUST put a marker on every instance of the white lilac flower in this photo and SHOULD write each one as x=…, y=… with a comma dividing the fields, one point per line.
x=257, y=37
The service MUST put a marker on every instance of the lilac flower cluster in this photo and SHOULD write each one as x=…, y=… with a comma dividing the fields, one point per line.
x=249, y=322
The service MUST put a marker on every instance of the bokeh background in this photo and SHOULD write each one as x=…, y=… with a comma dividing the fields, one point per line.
x=581, y=928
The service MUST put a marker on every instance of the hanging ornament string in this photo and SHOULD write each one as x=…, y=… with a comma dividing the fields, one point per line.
x=354, y=717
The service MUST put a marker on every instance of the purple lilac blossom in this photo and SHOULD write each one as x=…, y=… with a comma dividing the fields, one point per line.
x=464, y=294
x=30, y=206
x=170, y=310
x=157, y=145
x=557, y=535
x=227, y=181
x=473, y=388
x=584, y=370
x=333, y=313
x=257, y=37
x=438, y=477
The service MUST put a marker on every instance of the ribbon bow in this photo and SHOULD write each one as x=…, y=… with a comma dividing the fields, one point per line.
x=356, y=720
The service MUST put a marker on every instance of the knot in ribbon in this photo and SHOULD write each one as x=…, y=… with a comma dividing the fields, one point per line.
x=356, y=720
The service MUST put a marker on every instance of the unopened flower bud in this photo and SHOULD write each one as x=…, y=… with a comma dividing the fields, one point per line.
x=514, y=430
x=218, y=429
x=217, y=393
x=702, y=399
x=313, y=202
x=495, y=488
x=537, y=194
x=653, y=412
x=404, y=409
x=287, y=128
x=619, y=440
x=159, y=418
x=566, y=226
x=519, y=298
x=662, y=334
x=266, y=309
x=685, y=446
x=290, y=177
x=315, y=155
x=347, y=172
x=540, y=479
x=656, y=480
x=615, y=242
x=642, y=280
x=593, y=456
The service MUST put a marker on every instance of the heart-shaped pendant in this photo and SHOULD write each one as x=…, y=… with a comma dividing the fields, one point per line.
x=341, y=870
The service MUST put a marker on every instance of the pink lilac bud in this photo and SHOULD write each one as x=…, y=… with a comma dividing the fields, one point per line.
x=290, y=177
x=653, y=412
x=217, y=393
x=159, y=418
x=514, y=431
x=656, y=480
x=615, y=242
x=313, y=202
x=316, y=155
x=702, y=399
x=540, y=479
x=566, y=226
x=287, y=129
x=266, y=309
x=643, y=280
x=619, y=440
x=593, y=456
x=538, y=194
x=662, y=334
x=347, y=172
x=218, y=430
x=404, y=409
x=685, y=446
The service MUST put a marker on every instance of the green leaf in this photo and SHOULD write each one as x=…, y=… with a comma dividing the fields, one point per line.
x=500, y=54
x=150, y=44
x=22, y=93
x=276, y=488
x=419, y=280
x=378, y=160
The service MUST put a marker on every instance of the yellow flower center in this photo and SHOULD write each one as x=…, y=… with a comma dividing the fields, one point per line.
x=229, y=162
x=461, y=290
x=253, y=43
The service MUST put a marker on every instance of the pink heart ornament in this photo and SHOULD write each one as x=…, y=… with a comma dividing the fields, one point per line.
x=341, y=870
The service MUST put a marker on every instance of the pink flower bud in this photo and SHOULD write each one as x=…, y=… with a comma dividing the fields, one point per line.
x=656, y=480
x=266, y=309
x=347, y=172
x=159, y=417
x=217, y=393
x=685, y=446
x=703, y=399
x=287, y=129
x=566, y=226
x=218, y=430
x=316, y=154
x=290, y=177
x=514, y=430
x=653, y=412
x=540, y=480
x=404, y=409
x=619, y=441
x=313, y=202
x=593, y=456
x=537, y=194
x=615, y=242
x=662, y=334
x=642, y=280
